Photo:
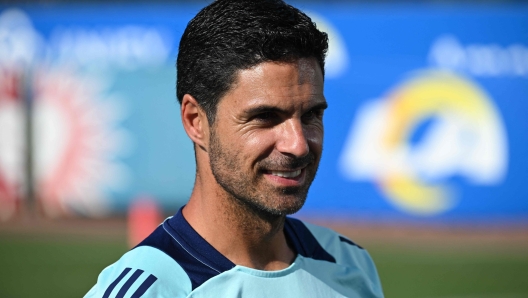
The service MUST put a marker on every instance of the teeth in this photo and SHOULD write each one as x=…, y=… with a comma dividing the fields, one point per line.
x=286, y=174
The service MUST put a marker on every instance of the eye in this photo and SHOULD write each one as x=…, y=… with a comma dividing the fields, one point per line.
x=267, y=118
x=312, y=115
x=264, y=116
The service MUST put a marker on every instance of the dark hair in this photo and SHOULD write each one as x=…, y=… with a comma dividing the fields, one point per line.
x=230, y=35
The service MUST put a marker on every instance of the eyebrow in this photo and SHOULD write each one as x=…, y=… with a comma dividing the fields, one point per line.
x=320, y=106
x=273, y=109
x=262, y=109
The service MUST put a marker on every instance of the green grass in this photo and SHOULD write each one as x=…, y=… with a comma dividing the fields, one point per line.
x=67, y=267
x=58, y=268
x=471, y=274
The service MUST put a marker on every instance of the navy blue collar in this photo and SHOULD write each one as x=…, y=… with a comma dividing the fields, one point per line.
x=201, y=261
x=297, y=234
x=178, y=227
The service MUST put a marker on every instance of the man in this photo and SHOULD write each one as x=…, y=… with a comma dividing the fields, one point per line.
x=250, y=84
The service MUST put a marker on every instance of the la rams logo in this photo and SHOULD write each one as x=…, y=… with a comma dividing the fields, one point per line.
x=430, y=128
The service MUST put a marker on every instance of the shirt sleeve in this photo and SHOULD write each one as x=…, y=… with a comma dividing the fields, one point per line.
x=142, y=272
x=347, y=253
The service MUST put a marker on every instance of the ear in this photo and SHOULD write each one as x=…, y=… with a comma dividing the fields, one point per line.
x=195, y=121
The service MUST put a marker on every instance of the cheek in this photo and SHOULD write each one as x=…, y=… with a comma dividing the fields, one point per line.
x=257, y=145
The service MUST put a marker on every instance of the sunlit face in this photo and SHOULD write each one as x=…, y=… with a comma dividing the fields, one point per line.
x=266, y=142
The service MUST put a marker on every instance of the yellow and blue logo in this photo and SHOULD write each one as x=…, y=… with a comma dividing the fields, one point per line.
x=434, y=126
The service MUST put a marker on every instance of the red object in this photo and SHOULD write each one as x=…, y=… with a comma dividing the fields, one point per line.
x=144, y=217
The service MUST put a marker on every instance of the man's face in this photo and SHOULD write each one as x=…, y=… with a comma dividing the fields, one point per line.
x=266, y=142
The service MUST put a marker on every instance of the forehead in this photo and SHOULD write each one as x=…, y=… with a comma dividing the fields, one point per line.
x=281, y=84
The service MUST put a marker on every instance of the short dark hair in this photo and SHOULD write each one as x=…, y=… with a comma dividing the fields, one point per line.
x=232, y=35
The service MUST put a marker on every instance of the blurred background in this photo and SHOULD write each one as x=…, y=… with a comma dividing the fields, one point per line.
x=425, y=157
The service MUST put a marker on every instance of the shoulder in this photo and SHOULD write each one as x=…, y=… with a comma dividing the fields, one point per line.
x=145, y=271
x=325, y=244
x=313, y=238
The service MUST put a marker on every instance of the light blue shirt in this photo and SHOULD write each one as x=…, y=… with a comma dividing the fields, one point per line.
x=175, y=261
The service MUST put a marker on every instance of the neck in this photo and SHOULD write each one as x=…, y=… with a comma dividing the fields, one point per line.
x=246, y=236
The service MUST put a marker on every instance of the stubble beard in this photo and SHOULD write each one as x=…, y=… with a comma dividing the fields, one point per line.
x=250, y=189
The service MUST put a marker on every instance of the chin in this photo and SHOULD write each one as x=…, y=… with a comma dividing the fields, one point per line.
x=284, y=206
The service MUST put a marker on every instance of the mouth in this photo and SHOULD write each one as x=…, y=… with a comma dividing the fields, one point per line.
x=286, y=178
x=286, y=174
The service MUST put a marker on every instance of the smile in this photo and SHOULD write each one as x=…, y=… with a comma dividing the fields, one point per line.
x=286, y=174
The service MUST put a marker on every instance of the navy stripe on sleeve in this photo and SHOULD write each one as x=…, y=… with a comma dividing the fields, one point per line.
x=144, y=286
x=129, y=283
x=113, y=284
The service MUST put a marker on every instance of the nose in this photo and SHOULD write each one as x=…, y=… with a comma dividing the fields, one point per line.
x=291, y=139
